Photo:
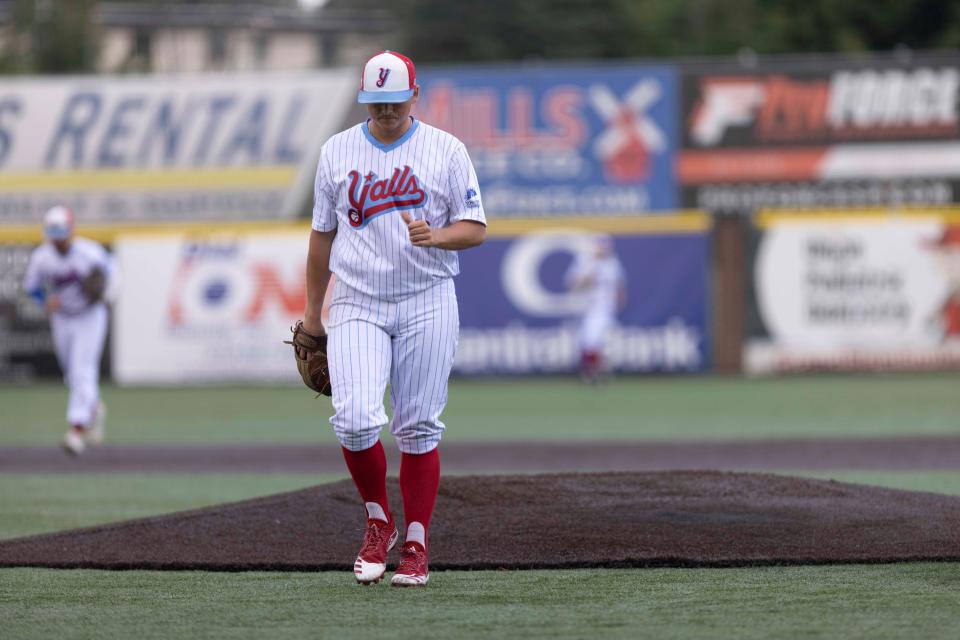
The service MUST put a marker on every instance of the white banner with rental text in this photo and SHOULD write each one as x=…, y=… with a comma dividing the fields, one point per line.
x=239, y=146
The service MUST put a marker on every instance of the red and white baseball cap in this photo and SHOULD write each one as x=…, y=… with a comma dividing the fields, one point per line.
x=387, y=77
x=58, y=223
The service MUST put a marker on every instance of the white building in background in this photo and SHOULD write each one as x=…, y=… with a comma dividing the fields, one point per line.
x=238, y=36
x=243, y=35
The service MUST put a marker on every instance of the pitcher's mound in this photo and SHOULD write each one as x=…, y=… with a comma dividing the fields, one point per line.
x=685, y=519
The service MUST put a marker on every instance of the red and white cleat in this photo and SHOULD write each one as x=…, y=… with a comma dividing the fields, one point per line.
x=413, y=570
x=73, y=441
x=371, y=562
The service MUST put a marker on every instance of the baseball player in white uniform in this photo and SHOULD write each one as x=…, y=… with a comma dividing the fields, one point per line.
x=600, y=276
x=55, y=279
x=395, y=199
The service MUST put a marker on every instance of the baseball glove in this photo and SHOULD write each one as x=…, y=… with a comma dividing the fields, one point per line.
x=310, y=352
x=94, y=285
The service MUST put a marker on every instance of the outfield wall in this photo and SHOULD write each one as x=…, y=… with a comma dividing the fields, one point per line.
x=612, y=147
x=871, y=290
x=212, y=303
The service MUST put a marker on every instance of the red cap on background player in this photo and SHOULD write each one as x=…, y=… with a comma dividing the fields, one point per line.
x=387, y=77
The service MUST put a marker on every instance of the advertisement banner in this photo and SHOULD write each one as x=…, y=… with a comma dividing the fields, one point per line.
x=550, y=140
x=519, y=315
x=26, y=348
x=165, y=147
x=855, y=294
x=213, y=309
x=841, y=137
x=216, y=309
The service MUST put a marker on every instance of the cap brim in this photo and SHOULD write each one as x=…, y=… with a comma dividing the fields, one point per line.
x=56, y=233
x=373, y=97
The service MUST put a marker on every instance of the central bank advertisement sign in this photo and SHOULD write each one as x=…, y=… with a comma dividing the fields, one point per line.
x=519, y=316
x=165, y=147
x=550, y=140
x=856, y=135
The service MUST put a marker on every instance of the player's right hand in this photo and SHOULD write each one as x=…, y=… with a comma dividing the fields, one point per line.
x=421, y=235
x=52, y=304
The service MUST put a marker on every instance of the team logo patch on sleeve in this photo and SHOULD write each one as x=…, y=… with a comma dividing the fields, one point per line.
x=471, y=198
x=370, y=197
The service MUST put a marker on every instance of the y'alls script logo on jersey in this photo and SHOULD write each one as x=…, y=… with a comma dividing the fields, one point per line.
x=370, y=197
x=630, y=135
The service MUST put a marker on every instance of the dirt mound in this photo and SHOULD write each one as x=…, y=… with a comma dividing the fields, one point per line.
x=545, y=521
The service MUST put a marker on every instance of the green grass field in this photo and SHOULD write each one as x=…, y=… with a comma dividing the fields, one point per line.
x=870, y=602
x=523, y=409
x=876, y=602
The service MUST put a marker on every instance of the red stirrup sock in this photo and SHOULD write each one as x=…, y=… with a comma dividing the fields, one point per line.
x=419, y=481
x=369, y=471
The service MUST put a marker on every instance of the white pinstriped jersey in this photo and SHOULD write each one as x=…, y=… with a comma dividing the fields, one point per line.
x=60, y=275
x=362, y=186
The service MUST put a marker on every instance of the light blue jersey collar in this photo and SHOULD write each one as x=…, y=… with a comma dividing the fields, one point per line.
x=393, y=145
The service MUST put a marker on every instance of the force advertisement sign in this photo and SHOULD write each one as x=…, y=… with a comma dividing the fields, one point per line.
x=124, y=149
x=847, y=137
x=207, y=310
x=855, y=294
x=520, y=315
x=562, y=140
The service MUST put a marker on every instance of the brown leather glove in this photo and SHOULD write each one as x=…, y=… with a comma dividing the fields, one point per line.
x=94, y=285
x=310, y=352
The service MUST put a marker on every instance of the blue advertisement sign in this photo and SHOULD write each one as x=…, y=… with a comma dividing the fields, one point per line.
x=562, y=140
x=520, y=312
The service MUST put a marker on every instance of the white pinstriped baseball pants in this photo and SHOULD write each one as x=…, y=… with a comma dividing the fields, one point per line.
x=410, y=345
x=78, y=342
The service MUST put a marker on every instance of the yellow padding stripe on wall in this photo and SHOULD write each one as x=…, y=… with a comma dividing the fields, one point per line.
x=769, y=217
x=123, y=180
x=682, y=222
x=688, y=222
x=107, y=233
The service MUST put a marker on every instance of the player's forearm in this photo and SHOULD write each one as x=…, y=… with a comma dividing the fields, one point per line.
x=460, y=235
x=318, y=277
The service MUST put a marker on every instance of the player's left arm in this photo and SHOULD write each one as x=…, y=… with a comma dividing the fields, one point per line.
x=468, y=224
x=459, y=235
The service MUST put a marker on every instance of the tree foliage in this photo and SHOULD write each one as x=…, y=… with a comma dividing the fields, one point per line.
x=50, y=37
x=442, y=31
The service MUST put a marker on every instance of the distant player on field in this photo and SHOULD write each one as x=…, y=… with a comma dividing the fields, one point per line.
x=69, y=277
x=600, y=276
x=395, y=199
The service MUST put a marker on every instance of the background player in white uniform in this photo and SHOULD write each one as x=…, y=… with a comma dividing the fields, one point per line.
x=394, y=199
x=600, y=275
x=78, y=325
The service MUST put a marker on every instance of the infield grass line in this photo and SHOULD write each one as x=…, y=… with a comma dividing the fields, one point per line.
x=551, y=409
